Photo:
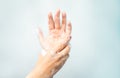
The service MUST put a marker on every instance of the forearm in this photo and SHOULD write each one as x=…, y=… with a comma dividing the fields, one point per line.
x=37, y=74
x=56, y=47
x=40, y=70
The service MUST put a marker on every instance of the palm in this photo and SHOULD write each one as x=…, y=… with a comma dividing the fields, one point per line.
x=58, y=37
x=55, y=41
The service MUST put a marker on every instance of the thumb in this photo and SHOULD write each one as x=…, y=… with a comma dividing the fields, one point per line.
x=40, y=35
x=64, y=52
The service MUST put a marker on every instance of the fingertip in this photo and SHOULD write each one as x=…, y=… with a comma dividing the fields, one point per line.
x=49, y=14
x=58, y=12
x=69, y=23
x=63, y=14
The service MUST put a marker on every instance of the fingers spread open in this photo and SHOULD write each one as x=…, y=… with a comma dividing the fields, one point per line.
x=57, y=19
x=64, y=21
x=69, y=28
x=51, y=21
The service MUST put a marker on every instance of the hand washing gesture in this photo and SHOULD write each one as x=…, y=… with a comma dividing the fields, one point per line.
x=59, y=33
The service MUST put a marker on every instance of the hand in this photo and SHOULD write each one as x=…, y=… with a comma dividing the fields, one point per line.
x=49, y=65
x=59, y=34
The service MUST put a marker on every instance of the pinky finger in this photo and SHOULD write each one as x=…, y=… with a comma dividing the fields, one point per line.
x=69, y=28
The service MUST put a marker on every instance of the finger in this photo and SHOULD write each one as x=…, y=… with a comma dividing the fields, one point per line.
x=50, y=21
x=69, y=28
x=64, y=52
x=57, y=20
x=64, y=21
x=61, y=62
x=41, y=37
x=67, y=40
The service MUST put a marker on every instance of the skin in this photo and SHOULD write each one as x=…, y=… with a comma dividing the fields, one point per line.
x=47, y=66
x=59, y=34
x=56, y=46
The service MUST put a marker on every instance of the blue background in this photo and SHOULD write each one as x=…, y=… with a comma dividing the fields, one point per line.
x=95, y=41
